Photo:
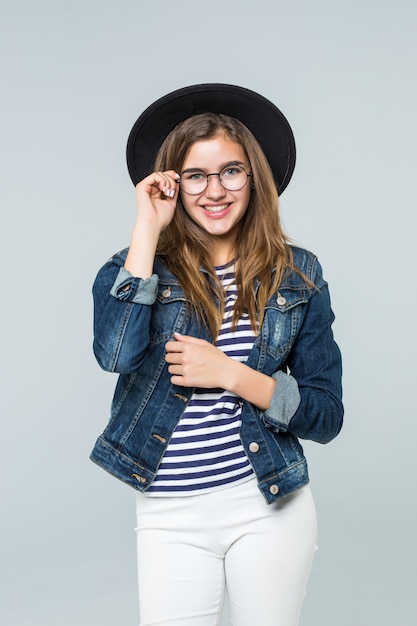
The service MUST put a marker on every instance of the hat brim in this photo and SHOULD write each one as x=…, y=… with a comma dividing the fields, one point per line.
x=259, y=115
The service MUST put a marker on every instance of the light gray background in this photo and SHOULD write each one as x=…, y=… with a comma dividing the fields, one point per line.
x=74, y=77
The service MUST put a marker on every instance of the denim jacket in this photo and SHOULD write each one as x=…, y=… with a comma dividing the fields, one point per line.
x=133, y=320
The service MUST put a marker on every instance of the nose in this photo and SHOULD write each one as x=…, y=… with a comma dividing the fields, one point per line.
x=214, y=187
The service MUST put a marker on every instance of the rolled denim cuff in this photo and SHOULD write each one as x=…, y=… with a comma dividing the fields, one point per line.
x=284, y=402
x=128, y=288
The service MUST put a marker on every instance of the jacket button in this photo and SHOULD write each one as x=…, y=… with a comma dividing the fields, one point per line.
x=140, y=479
x=166, y=292
x=281, y=300
x=254, y=447
x=274, y=489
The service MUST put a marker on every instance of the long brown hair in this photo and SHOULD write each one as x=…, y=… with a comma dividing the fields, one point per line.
x=262, y=250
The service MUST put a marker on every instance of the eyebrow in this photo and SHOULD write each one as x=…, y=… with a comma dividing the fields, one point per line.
x=200, y=169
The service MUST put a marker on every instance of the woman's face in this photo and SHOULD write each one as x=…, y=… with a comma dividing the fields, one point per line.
x=217, y=210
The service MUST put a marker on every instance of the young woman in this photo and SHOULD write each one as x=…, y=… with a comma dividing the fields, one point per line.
x=221, y=333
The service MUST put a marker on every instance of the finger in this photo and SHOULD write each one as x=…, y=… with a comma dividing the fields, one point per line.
x=164, y=182
x=156, y=178
x=173, y=346
x=175, y=370
x=181, y=382
x=173, y=358
x=173, y=174
x=170, y=188
x=189, y=339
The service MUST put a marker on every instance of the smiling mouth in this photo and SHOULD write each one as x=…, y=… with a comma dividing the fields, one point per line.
x=216, y=209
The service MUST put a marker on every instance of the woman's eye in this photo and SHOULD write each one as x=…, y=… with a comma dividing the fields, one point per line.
x=231, y=171
x=195, y=176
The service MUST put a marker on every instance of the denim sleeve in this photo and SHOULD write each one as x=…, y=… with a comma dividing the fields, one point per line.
x=122, y=313
x=307, y=401
x=130, y=289
x=285, y=399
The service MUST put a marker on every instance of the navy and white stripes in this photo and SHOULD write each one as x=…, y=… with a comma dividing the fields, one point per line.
x=205, y=452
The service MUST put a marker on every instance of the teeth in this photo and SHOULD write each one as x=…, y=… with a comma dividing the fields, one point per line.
x=215, y=209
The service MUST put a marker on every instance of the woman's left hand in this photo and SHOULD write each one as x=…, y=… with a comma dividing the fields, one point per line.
x=196, y=363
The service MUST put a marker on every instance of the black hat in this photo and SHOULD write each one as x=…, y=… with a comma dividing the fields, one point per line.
x=261, y=116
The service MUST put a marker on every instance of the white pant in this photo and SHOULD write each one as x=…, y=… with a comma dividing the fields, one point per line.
x=190, y=549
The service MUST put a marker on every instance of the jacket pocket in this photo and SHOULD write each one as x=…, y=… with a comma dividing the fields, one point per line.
x=283, y=316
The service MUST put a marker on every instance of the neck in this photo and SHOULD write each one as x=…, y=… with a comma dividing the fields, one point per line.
x=223, y=253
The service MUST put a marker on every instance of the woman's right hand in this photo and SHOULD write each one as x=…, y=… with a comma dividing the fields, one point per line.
x=156, y=199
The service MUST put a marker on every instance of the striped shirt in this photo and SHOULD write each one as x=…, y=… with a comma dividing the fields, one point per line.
x=205, y=452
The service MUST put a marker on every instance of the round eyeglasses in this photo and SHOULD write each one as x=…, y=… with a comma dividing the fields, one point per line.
x=231, y=178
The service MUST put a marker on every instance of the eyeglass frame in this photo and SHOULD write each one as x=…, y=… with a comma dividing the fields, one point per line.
x=215, y=174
